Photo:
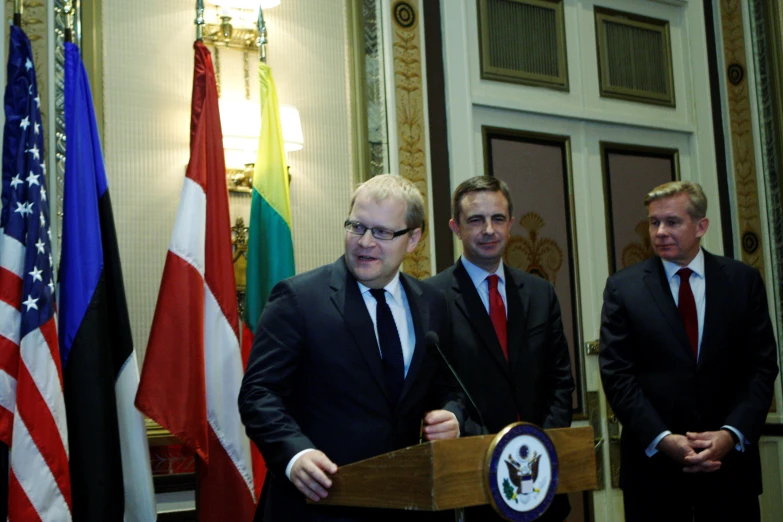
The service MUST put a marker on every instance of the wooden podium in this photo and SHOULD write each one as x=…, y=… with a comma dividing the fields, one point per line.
x=449, y=474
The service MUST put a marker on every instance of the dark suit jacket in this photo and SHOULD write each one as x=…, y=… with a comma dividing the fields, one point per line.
x=654, y=383
x=535, y=385
x=315, y=380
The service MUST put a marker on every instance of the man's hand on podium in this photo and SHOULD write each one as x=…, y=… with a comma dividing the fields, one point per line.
x=309, y=474
x=440, y=425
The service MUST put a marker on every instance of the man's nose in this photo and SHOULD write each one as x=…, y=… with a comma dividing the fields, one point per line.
x=489, y=227
x=367, y=239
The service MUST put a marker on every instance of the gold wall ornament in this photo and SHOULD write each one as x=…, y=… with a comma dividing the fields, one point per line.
x=239, y=253
x=637, y=252
x=532, y=254
x=741, y=125
x=239, y=257
x=411, y=134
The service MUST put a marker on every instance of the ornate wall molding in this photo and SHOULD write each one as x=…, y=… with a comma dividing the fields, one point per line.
x=741, y=127
x=410, y=110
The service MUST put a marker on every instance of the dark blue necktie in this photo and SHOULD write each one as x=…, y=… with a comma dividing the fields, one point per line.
x=391, y=348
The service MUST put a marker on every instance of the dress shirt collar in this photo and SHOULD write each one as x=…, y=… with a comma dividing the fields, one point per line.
x=394, y=288
x=478, y=274
x=697, y=265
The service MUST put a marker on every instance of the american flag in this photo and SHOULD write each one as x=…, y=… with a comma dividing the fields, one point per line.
x=32, y=409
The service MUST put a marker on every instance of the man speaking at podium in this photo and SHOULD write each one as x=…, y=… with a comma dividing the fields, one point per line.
x=339, y=369
x=508, y=342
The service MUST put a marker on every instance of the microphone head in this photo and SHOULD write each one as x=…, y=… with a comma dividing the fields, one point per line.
x=432, y=338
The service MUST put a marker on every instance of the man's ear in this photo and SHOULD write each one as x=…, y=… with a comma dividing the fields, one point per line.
x=413, y=239
x=454, y=226
x=701, y=227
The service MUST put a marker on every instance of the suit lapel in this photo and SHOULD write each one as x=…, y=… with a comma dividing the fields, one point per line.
x=421, y=317
x=469, y=304
x=715, y=308
x=658, y=286
x=518, y=299
x=349, y=302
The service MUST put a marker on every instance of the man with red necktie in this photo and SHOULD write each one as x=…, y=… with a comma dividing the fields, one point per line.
x=508, y=342
x=688, y=362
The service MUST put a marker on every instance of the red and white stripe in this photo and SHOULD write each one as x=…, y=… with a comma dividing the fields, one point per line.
x=197, y=308
x=32, y=408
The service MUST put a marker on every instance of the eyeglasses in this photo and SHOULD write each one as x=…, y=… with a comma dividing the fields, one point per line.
x=354, y=227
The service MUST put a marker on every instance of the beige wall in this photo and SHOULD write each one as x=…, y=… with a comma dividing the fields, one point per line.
x=148, y=70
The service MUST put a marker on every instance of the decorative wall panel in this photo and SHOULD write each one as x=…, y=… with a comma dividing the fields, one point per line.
x=743, y=152
x=410, y=111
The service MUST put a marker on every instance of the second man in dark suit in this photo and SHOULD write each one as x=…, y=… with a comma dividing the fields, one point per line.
x=508, y=342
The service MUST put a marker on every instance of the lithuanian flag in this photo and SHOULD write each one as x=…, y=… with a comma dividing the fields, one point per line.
x=270, y=252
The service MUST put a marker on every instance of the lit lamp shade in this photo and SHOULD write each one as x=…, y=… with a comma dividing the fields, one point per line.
x=240, y=120
x=292, y=128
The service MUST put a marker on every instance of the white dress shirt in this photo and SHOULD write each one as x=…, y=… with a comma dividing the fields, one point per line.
x=479, y=277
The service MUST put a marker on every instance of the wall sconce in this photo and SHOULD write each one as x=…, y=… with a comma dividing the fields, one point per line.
x=241, y=123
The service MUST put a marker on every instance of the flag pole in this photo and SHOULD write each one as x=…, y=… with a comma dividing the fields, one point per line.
x=262, y=39
x=199, y=20
x=68, y=9
x=18, y=6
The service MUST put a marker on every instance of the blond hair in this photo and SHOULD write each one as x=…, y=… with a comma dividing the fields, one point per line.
x=385, y=186
x=697, y=201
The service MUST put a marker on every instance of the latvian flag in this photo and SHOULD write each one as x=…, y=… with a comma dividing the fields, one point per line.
x=193, y=367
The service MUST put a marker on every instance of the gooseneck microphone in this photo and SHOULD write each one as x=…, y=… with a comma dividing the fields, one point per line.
x=434, y=341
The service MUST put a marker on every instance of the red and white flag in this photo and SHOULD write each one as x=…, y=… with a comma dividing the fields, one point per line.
x=193, y=365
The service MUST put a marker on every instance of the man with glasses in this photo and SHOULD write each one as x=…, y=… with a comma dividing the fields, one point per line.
x=339, y=370
x=509, y=347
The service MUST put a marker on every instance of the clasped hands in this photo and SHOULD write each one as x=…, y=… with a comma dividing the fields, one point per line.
x=698, y=452
x=310, y=472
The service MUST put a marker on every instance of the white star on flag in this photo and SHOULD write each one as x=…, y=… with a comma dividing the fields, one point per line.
x=37, y=101
x=51, y=286
x=24, y=208
x=36, y=274
x=43, y=219
x=39, y=246
x=32, y=179
x=43, y=194
x=36, y=128
x=28, y=64
x=25, y=122
x=43, y=168
x=35, y=151
x=30, y=303
x=16, y=180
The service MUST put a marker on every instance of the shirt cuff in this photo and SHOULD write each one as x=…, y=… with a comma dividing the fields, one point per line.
x=740, y=446
x=650, y=451
x=293, y=459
